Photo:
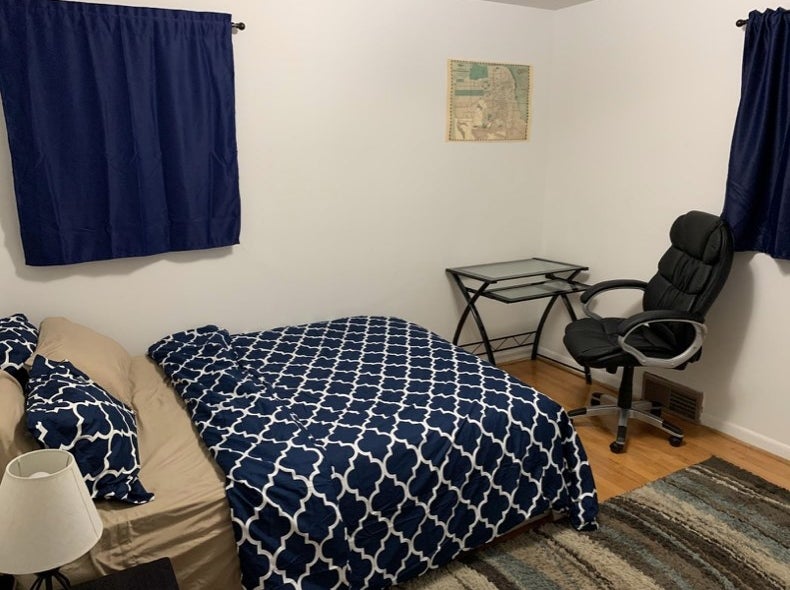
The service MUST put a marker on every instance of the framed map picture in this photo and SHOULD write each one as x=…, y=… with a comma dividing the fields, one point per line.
x=488, y=101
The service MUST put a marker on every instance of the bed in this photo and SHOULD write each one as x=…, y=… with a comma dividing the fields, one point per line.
x=354, y=453
x=189, y=519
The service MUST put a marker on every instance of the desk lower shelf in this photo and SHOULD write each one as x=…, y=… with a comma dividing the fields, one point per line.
x=502, y=343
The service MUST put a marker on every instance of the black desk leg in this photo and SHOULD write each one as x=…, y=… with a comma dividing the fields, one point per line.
x=546, y=311
x=470, y=307
x=542, y=321
x=569, y=307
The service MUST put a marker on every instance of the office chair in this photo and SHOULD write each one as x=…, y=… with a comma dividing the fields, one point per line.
x=668, y=333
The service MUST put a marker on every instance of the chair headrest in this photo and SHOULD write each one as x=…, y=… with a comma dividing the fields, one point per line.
x=698, y=234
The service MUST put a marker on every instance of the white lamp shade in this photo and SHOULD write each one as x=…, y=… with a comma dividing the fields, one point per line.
x=47, y=517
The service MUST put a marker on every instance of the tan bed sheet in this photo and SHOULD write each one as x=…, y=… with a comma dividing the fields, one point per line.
x=189, y=521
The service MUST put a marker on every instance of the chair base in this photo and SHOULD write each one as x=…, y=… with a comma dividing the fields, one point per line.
x=626, y=408
x=625, y=414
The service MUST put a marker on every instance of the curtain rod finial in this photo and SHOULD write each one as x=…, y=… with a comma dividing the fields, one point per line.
x=239, y=26
x=741, y=22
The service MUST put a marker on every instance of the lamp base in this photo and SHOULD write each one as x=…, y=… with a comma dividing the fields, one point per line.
x=44, y=580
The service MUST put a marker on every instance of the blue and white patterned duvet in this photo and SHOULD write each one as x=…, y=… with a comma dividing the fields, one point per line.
x=364, y=451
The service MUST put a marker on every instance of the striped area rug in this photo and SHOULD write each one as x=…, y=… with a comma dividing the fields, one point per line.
x=711, y=525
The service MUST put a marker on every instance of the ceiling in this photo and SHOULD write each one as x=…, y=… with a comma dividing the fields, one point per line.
x=547, y=4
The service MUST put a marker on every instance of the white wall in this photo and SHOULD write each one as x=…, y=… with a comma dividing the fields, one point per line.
x=644, y=100
x=352, y=200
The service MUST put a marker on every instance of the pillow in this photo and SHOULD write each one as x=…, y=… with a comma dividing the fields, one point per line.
x=100, y=357
x=14, y=437
x=67, y=410
x=17, y=341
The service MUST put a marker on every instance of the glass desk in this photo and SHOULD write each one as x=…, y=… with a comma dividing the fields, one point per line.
x=513, y=282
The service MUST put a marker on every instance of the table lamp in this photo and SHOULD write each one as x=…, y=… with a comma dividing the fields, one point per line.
x=47, y=517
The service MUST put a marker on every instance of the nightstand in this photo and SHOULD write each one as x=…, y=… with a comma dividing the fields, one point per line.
x=157, y=575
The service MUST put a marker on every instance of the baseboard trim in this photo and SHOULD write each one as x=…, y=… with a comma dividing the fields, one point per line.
x=747, y=436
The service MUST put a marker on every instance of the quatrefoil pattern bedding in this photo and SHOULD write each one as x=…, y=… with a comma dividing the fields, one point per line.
x=66, y=409
x=364, y=451
x=18, y=339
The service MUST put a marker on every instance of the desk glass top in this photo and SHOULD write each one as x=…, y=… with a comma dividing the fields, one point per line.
x=515, y=269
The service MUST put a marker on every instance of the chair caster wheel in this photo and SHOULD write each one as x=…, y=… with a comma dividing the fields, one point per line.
x=676, y=441
x=616, y=447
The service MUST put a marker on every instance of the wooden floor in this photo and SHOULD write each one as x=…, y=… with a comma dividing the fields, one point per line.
x=648, y=455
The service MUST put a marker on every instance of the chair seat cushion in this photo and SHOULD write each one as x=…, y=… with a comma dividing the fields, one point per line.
x=593, y=343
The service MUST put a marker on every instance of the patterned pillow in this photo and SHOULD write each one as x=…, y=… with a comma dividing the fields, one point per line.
x=67, y=410
x=18, y=339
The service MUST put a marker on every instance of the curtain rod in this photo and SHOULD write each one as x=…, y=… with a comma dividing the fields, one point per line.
x=741, y=22
x=239, y=26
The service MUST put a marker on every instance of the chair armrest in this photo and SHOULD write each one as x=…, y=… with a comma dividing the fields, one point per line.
x=598, y=288
x=628, y=325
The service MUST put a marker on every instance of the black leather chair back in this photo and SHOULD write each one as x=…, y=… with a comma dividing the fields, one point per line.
x=692, y=272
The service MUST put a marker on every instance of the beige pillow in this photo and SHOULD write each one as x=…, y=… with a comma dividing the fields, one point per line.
x=14, y=437
x=100, y=357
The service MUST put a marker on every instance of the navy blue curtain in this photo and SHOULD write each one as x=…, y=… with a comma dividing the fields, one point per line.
x=757, y=201
x=121, y=124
